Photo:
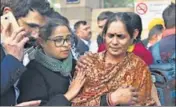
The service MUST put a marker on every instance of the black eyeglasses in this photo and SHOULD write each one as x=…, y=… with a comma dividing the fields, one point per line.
x=60, y=40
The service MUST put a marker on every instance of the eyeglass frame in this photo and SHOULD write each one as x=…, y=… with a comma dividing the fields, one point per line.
x=63, y=41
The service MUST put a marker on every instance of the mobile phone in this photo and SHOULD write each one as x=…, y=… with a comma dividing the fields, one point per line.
x=9, y=18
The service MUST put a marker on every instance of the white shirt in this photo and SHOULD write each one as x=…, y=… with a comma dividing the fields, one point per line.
x=93, y=46
x=86, y=42
x=28, y=55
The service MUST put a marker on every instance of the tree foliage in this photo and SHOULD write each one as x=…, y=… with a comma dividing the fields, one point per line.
x=118, y=3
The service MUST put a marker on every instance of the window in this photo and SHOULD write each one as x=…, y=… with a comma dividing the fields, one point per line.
x=73, y=1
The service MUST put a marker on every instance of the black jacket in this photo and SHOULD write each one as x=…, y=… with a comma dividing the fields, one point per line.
x=81, y=47
x=38, y=83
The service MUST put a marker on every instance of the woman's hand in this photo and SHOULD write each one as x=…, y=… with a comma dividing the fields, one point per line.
x=124, y=96
x=30, y=103
x=75, y=86
x=84, y=61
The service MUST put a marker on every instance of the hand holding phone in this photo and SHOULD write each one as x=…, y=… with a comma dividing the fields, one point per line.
x=14, y=37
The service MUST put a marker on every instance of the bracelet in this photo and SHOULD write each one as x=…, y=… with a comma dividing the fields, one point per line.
x=107, y=99
x=110, y=100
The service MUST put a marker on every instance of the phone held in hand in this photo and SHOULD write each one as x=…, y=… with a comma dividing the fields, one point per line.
x=9, y=18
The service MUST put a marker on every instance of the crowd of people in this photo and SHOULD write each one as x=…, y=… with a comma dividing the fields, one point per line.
x=46, y=63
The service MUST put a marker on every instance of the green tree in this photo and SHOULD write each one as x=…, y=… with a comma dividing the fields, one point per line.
x=52, y=3
x=118, y=3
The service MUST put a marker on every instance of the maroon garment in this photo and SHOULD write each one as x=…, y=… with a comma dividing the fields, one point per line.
x=143, y=53
x=101, y=47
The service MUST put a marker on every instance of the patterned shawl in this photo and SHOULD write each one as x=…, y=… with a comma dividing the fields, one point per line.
x=104, y=78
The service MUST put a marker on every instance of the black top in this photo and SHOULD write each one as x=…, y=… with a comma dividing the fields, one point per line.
x=38, y=83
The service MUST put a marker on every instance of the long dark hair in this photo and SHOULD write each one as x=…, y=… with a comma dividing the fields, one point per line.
x=137, y=24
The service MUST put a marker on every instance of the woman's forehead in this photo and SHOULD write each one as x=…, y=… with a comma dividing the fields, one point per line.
x=62, y=35
x=61, y=31
x=116, y=27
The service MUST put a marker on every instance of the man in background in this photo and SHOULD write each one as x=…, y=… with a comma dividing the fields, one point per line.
x=83, y=32
x=101, y=21
x=155, y=35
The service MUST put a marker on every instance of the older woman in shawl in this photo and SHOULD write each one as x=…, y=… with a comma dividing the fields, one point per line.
x=115, y=67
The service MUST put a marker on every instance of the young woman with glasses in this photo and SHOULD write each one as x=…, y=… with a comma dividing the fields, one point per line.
x=49, y=75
